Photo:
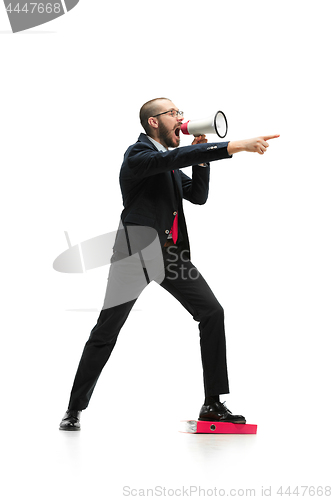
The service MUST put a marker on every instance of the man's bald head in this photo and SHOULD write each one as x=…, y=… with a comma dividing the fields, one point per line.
x=149, y=109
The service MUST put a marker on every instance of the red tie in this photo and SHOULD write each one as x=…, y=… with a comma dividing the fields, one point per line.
x=174, y=229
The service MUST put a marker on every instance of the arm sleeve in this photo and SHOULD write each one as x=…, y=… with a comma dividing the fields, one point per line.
x=144, y=162
x=196, y=189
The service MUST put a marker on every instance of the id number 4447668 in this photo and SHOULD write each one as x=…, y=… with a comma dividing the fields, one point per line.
x=317, y=491
x=32, y=7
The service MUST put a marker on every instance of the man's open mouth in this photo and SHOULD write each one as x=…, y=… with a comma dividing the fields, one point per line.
x=177, y=131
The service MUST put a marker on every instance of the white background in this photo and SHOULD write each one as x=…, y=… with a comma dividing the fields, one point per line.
x=70, y=96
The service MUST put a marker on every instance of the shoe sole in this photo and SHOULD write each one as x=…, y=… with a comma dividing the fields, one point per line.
x=70, y=429
x=226, y=421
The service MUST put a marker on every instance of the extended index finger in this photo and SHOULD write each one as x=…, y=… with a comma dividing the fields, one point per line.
x=268, y=137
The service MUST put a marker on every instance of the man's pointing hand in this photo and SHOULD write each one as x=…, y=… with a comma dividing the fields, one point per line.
x=256, y=145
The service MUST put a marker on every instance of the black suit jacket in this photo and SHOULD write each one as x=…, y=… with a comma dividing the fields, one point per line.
x=152, y=193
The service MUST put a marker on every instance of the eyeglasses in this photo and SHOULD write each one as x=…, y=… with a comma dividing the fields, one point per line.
x=172, y=112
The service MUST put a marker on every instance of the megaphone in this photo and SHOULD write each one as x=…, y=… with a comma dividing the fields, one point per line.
x=215, y=124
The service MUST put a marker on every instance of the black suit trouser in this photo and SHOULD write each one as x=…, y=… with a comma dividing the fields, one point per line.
x=186, y=284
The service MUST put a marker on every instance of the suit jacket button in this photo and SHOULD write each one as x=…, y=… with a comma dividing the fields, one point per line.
x=167, y=231
x=175, y=213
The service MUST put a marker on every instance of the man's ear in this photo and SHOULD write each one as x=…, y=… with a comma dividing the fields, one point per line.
x=153, y=122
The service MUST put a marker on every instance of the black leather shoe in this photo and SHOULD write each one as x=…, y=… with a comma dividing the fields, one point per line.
x=218, y=412
x=71, y=421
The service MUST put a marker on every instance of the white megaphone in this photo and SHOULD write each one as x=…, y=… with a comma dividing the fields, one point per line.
x=215, y=124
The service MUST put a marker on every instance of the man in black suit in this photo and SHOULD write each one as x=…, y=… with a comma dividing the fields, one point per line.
x=152, y=244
